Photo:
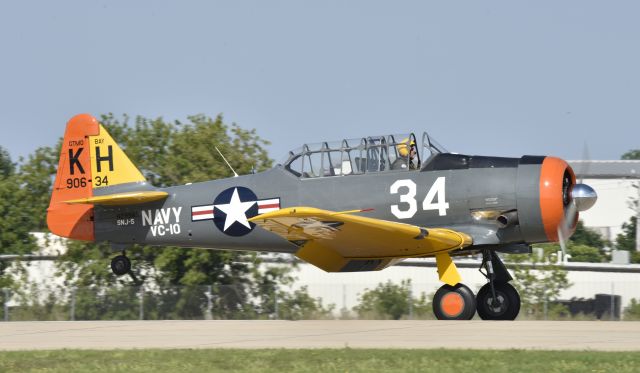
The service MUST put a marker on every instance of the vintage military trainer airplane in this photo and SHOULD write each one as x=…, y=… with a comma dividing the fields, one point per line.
x=353, y=205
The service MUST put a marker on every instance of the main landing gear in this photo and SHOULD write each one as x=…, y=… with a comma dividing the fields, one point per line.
x=497, y=300
x=454, y=303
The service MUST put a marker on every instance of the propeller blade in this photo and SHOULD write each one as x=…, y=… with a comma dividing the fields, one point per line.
x=582, y=197
x=563, y=243
x=565, y=226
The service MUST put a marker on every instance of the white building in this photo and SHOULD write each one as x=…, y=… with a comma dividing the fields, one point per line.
x=616, y=183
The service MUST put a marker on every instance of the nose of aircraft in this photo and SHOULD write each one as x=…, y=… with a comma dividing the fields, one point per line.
x=583, y=196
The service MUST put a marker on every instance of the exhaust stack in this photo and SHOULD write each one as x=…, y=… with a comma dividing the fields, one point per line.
x=507, y=219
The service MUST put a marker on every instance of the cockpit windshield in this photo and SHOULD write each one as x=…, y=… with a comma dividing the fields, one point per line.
x=360, y=155
x=431, y=145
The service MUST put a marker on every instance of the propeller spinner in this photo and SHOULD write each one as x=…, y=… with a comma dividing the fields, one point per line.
x=583, y=196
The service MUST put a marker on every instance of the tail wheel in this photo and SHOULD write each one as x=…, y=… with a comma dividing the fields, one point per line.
x=120, y=265
x=505, y=306
x=454, y=303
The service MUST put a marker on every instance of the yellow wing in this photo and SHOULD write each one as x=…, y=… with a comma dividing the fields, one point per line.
x=343, y=242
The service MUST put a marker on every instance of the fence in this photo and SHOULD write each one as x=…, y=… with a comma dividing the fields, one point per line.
x=133, y=303
x=584, y=301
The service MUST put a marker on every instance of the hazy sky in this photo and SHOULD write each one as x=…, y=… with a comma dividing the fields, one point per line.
x=483, y=77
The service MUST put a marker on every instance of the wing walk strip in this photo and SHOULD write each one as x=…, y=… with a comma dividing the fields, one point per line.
x=341, y=241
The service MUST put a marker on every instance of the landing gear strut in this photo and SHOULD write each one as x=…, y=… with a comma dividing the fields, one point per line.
x=497, y=300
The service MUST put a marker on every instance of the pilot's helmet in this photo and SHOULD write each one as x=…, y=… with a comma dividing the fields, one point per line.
x=404, y=147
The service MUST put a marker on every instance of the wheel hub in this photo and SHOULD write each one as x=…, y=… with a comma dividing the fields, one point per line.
x=452, y=304
x=120, y=265
x=497, y=305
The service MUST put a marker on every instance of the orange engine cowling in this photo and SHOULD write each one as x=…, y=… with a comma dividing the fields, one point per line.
x=543, y=192
x=556, y=180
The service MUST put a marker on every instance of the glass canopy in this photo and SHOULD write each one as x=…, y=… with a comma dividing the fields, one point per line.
x=360, y=155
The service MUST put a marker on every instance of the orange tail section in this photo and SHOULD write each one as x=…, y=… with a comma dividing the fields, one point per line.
x=73, y=181
x=89, y=160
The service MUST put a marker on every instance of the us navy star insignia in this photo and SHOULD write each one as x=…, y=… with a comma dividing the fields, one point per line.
x=236, y=211
x=232, y=209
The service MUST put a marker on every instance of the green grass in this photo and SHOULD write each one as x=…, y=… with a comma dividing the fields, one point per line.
x=318, y=360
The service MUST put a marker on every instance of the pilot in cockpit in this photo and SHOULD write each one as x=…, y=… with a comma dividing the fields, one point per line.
x=406, y=154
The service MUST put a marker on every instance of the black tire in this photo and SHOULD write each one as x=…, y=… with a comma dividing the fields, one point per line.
x=454, y=303
x=508, y=305
x=120, y=265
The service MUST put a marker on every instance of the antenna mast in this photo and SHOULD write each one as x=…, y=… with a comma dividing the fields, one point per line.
x=225, y=160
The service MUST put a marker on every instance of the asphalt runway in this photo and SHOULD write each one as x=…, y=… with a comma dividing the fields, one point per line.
x=539, y=335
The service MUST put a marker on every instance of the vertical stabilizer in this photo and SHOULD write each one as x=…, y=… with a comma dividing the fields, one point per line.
x=89, y=159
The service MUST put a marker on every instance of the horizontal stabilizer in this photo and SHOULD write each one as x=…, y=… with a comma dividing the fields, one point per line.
x=118, y=199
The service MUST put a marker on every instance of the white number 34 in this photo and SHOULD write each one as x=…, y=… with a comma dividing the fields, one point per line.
x=437, y=192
